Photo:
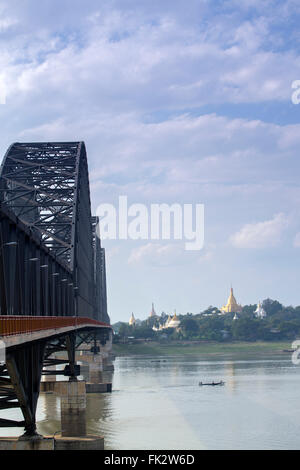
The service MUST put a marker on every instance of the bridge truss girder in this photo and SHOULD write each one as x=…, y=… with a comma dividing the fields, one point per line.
x=50, y=259
x=46, y=185
x=32, y=280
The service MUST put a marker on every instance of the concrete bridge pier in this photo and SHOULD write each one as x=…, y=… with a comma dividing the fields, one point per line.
x=106, y=353
x=73, y=418
x=95, y=383
x=96, y=370
x=73, y=408
x=107, y=362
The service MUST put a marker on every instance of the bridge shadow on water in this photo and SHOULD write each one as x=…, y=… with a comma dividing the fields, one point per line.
x=99, y=411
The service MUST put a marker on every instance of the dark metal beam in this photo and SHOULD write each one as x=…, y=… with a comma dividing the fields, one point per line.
x=51, y=261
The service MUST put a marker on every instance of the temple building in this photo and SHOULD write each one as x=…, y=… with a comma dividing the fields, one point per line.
x=172, y=322
x=158, y=328
x=132, y=320
x=232, y=306
x=152, y=313
x=260, y=312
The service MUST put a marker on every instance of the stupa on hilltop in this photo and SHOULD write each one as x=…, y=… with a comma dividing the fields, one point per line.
x=172, y=322
x=132, y=320
x=232, y=306
x=260, y=311
x=152, y=313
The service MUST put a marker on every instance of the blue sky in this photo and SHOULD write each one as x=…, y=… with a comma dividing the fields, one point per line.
x=177, y=102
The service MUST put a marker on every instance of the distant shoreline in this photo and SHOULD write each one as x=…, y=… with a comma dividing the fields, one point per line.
x=211, y=348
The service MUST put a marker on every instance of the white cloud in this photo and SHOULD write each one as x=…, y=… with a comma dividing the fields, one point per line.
x=130, y=78
x=111, y=253
x=120, y=58
x=262, y=234
x=184, y=158
x=168, y=254
x=206, y=255
x=159, y=255
x=156, y=254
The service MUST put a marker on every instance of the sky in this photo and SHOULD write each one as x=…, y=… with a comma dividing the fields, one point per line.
x=177, y=102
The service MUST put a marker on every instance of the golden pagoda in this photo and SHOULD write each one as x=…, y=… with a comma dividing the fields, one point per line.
x=232, y=306
x=132, y=320
x=173, y=322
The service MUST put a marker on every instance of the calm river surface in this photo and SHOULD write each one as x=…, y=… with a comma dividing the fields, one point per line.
x=159, y=405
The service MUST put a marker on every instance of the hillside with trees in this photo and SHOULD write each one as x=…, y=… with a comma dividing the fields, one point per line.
x=281, y=323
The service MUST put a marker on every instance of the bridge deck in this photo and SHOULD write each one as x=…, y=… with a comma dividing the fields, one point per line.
x=17, y=330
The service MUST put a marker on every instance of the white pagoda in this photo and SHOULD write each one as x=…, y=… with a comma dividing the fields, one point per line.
x=260, y=312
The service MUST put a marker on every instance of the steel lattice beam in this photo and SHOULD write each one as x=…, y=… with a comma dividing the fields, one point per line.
x=46, y=185
x=51, y=261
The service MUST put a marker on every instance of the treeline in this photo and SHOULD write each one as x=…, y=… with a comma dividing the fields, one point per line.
x=281, y=323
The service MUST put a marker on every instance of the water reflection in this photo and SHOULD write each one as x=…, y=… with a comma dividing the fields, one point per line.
x=159, y=405
x=48, y=414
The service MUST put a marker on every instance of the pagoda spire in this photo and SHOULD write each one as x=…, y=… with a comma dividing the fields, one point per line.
x=232, y=305
x=132, y=320
x=152, y=313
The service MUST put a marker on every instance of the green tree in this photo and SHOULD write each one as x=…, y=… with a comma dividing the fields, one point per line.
x=246, y=328
x=143, y=331
x=125, y=330
x=151, y=321
x=210, y=310
x=210, y=328
x=249, y=309
x=189, y=327
x=271, y=306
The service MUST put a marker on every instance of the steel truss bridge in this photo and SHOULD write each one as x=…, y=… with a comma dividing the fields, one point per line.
x=52, y=269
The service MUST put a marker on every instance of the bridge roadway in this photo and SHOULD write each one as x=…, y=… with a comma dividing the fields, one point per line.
x=22, y=330
x=25, y=339
x=29, y=346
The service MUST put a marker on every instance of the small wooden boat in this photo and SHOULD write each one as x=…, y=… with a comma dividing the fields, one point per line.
x=212, y=383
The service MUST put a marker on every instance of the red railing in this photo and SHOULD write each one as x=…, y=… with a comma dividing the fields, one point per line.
x=15, y=325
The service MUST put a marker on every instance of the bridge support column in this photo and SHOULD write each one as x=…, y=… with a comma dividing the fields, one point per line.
x=106, y=353
x=73, y=408
x=96, y=382
x=24, y=366
x=95, y=372
x=107, y=363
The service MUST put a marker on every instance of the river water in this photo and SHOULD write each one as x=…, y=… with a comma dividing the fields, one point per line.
x=157, y=403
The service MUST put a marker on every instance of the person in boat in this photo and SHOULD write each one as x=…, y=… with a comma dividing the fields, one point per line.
x=213, y=383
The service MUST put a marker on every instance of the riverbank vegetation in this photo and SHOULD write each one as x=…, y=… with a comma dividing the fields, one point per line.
x=280, y=324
